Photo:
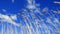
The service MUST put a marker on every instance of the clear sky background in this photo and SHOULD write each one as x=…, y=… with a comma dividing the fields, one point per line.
x=19, y=4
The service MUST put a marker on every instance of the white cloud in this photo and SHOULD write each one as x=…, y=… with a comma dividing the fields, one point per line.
x=14, y=17
x=58, y=12
x=29, y=1
x=48, y=20
x=45, y=10
x=6, y=18
x=31, y=4
x=56, y=2
x=12, y=1
x=4, y=10
x=56, y=20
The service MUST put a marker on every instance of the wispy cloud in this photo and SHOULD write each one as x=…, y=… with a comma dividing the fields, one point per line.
x=12, y=1
x=56, y=2
x=8, y=19
x=14, y=17
x=31, y=4
x=45, y=10
x=4, y=10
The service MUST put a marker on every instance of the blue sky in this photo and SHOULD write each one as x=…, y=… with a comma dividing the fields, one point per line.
x=19, y=4
x=31, y=14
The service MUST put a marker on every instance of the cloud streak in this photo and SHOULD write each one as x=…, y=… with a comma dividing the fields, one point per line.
x=6, y=18
x=56, y=2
